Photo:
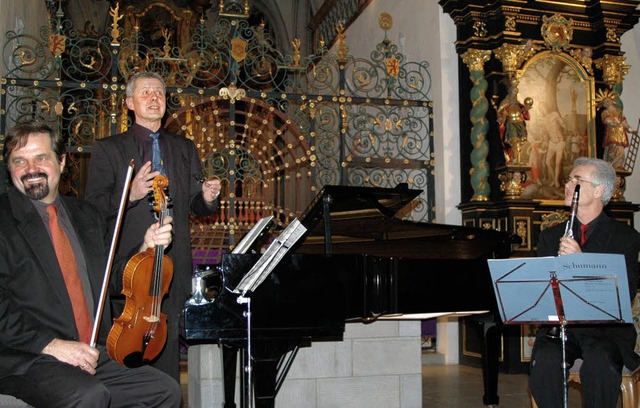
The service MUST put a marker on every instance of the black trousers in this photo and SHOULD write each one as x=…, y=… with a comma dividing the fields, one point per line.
x=50, y=383
x=600, y=373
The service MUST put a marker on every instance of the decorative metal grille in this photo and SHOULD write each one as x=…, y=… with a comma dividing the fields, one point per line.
x=274, y=127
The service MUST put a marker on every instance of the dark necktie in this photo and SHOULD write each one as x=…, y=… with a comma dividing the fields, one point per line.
x=156, y=158
x=67, y=261
x=583, y=233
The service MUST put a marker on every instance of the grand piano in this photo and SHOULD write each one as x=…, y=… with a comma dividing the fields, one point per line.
x=358, y=260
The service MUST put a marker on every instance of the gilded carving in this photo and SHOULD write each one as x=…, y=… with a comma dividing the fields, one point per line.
x=613, y=68
x=57, y=44
x=116, y=17
x=480, y=29
x=233, y=93
x=341, y=36
x=238, y=49
x=385, y=21
x=553, y=218
x=557, y=32
x=522, y=231
x=475, y=59
x=513, y=55
x=583, y=56
x=511, y=181
x=393, y=66
x=296, y=52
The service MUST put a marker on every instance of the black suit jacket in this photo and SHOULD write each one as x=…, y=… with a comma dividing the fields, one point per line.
x=609, y=237
x=110, y=158
x=34, y=304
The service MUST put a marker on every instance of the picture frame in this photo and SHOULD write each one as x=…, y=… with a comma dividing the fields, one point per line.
x=528, y=338
x=561, y=125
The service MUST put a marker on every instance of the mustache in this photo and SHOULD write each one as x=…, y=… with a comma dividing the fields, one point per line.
x=29, y=176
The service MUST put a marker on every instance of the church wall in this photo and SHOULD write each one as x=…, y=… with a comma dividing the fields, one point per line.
x=631, y=100
x=424, y=33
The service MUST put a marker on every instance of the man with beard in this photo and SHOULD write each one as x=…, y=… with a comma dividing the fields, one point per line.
x=154, y=151
x=53, y=253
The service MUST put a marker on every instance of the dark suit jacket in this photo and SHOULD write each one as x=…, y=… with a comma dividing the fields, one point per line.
x=34, y=305
x=609, y=237
x=110, y=158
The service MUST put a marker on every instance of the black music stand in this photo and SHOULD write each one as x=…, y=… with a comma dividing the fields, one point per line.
x=250, y=282
x=570, y=289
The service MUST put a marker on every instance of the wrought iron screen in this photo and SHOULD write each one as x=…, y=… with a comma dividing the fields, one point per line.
x=275, y=127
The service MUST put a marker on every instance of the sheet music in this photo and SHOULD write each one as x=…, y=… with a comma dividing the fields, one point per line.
x=269, y=260
x=250, y=237
x=593, y=287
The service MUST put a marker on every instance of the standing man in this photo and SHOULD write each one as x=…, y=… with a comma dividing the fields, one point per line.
x=53, y=252
x=154, y=151
x=604, y=349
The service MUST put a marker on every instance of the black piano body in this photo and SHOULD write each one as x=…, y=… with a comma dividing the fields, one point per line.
x=357, y=261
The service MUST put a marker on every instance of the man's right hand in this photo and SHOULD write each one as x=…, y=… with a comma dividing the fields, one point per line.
x=142, y=182
x=75, y=353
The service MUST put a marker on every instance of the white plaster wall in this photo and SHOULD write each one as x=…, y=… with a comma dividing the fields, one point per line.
x=631, y=100
x=424, y=33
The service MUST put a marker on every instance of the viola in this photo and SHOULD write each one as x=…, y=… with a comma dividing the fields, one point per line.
x=138, y=336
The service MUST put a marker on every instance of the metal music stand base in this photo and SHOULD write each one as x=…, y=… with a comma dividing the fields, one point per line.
x=565, y=386
x=247, y=392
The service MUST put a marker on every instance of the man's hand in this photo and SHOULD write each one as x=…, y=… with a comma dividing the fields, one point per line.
x=142, y=182
x=211, y=190
x=75, y=353
x=568, y=246
x=158, y=235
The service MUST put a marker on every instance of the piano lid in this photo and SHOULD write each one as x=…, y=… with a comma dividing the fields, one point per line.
x=368, y=220
x=357, y=202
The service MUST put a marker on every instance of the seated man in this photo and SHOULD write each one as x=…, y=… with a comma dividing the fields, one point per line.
x=53, y=254
x=604, y=349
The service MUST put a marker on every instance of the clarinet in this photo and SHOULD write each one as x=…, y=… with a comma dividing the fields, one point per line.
x=568, y=231
x=554, y=332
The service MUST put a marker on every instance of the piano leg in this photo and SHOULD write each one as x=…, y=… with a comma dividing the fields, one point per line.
x=490, y=362
x=270, y=366
x=229, y=364
x=267, y=371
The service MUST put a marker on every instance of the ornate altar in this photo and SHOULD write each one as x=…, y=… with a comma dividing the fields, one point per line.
x=540, y=76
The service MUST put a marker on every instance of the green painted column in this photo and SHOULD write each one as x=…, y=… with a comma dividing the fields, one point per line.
x=479, y=173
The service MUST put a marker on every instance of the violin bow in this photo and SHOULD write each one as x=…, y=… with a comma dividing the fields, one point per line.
x=114, y=240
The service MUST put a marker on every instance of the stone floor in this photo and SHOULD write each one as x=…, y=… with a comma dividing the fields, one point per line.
x=458, y=386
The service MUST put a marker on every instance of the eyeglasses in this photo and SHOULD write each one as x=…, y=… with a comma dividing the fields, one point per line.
x=572, y=180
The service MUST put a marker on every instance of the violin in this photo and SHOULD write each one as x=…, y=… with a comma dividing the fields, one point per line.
x=138, y=336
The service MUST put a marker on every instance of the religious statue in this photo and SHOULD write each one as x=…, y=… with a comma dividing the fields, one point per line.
x=615, y=130
x=511, y=121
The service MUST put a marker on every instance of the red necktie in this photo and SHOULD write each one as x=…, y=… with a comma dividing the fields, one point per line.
x=583, y=233
x=67, y=261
